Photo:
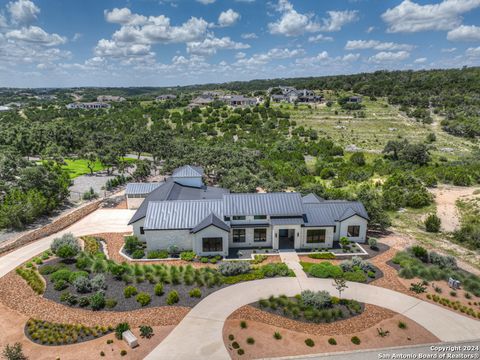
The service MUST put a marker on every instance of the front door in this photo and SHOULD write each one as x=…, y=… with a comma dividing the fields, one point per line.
x=286, y=238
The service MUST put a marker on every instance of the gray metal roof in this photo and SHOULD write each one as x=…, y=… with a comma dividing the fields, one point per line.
x=327, y=213
x=211, y=220
x=287, y=221
x=273, y=204
x=312, y=199
x=141, y=188
x=188, y=171
x=170, y=190
x=180, y=214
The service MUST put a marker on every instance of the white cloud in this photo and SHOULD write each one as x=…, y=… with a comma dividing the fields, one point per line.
x=34, y=34
x=124, y=16
x=388, y=56
x=376, y=45
x=23, y=11
x=211, y=44
x=77, y=36
x=292, y=23
x=370, y=29
x=319, y=38
x=111, y=48
x=412, y=17
x=449, y=50
x=249, y=36
x=240, y=55
x=206, y=2
x=272, y=54
x=228, y=18
x=420, y=60
x=473, y=52
x=464, y=33
x=3, y=21
x=351, y=57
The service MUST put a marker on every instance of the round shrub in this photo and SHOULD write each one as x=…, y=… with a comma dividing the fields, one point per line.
x=82, y=285
x=187, y=255
x=63, y=274
x=83, y=302
x=98, y=282
x=60, y=285
x=195, y=293
x=231, y=337
x=240, y=352
x=123, y=352
x=309, y=342
x=75, y=275
x=318, y=300
x=143, y=299
x=120, y=329
x=157, y=254
x=110, y=303
x=158, y=289
x=355, y=340
x=432, y=223
x=66, y=246
x=97, y=301
x=138, y=254
x=231, y=268
x=332, y=341
x=172, y=297
x=130, y=291
x=325, y=270
x=250, y=340
x=373, y=243
x=235, y=345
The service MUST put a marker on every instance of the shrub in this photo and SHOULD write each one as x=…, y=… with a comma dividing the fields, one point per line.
x=157, y=254
x=417, y=288
x=432, y=223
x=235, y=345
x=309, y=342
x=146, y=331
x=123, y=352
x=60, y=285
x=14, y=352
x=32, y=278
x=257, y=259
x=318, y=300
x=91, y=245
x=240, y=352
x=158, y=289
x=77, y=274
x=138, y=254
x=275, y=269
x=120, y=329
x=453, y=293
x=250, y=340
x=83, y=302
x=355, y=340
x=50, y=269
x=325, y=270
x=109, y=341
x=402, y=325
x=195, y=293
x=110, y=303
x=98, y=282
x=132, y=244
x=62, y=274
x=143, y=299
x=204, y=260
x=243, y=324
x=448, y=262
x=277, y=335
x=66, y=246
x=172, y=297
x=373, y=243
x=332, y=341
x=68, y=298
x=187, y=255
x=322, y=255
x=82, y=285
x=232, y=268
x=130, y=291
x=420, y=252
x=102, y=353
x=357, y=276
x=97, y=301
x=231, y=337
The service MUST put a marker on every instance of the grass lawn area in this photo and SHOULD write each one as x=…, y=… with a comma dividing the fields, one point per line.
x=78, y=167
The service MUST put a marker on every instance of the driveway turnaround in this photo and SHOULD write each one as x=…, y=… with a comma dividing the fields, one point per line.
x=199, y=334
x=99, y=221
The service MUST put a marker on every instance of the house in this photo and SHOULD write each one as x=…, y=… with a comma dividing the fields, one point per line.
x=88, y=105
x=211, y=220
x=166, y=97
x=239, y=100
x=200, y=102
x=292, y=95
x=107, y=98
x=355, y=99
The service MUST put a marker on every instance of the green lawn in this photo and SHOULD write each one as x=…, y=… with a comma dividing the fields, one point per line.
x=78, y=167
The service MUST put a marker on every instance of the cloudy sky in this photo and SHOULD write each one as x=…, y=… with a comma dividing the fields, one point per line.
x=49, y=43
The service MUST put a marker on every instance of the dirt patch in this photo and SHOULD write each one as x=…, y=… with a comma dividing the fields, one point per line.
x=11, y=328
x=292, y=342
x=445, y=198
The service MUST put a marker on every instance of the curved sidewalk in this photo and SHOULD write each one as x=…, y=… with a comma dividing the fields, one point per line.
x=99, y=221
x=199, y=334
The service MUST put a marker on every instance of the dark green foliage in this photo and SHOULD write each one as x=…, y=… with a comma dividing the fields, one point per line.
x=132, y=244
x=32, y=278
x=243, y=324
x=120, y=329
x=402, y=325
x=250, y=340
x=432, y=223
x=420, y=252
x=66, y=246
x=172, y=297
x=143, y=299
x=146, y=331
x=138, y=254
x=355, y=340
x=417, y=288
x=309, y=342
x=14, y=352
x=195, y=293
x=187, y=255
x=277, y=335
x=235, y=345
x=325, y=270
x=97, y=301
x=130, y=291
x=322, y=255
x=158, y=289
x=156, y=254
x=401, y=190
x=332, y=341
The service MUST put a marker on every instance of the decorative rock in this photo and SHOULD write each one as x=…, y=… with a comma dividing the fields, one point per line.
x=130, y=339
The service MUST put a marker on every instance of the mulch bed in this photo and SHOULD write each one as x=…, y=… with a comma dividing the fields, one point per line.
x=17, y=295
x=115, y=291
x=369, y=317
x=390, y=274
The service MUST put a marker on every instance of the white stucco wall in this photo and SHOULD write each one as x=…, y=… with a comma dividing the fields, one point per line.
x=354, y=220
x=298, y=235
x=136, y=229
x=162, y=239
x=249, y=239
x=328, y=238
x=211, y=231
x=189, y=181
x=134, y=203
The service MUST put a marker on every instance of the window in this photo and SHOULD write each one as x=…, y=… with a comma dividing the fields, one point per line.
x=316, y=236
x=353, y=231
x=259, y=217
x=239, y=218
x=226, y=218
x=238, y=235
x=212, y=244
x=259, y=235
x=142, y=230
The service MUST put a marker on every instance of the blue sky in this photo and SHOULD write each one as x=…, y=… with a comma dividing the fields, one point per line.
x=50, y=43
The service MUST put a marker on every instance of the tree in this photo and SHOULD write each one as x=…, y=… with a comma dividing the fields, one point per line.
x=66, y=246
x=358, y=158
x=14, y=352
x=90, y=154
x=340, y=284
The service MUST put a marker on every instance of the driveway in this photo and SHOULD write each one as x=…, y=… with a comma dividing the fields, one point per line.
x=199, y=334
x=99, y=221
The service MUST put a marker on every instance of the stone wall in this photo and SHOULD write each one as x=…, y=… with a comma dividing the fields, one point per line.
x=52, y=228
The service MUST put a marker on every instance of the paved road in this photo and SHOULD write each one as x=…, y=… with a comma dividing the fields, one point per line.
x=392, y=353
x=102, y=220
x=199, y=334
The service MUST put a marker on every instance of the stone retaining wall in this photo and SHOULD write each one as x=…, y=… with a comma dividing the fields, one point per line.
x=49, y=229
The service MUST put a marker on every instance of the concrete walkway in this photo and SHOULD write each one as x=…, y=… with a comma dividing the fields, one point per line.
x=99, y=221
x=199, y=334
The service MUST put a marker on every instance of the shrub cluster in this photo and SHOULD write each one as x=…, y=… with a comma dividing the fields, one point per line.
x=66, y=246
x=231, y=268
x=317, y=300
x=32, y=278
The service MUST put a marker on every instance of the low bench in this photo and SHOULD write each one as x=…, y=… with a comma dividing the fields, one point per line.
x=130, y=339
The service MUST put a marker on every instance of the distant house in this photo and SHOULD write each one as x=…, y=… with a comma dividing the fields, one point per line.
x=166, y=97
x=355, y=99
x=239, y=100
x=107, y=98
x=88, y=105
x=4, y=108
x=184, y=212
x=292, y=95
x=200, y=101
